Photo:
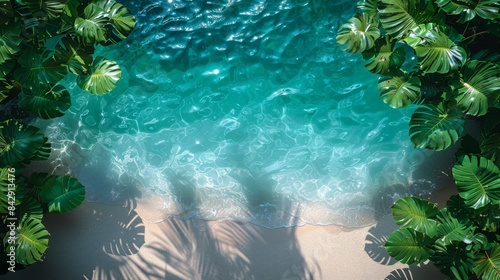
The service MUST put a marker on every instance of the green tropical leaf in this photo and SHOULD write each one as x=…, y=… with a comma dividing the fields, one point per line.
x=409, y=246
x=478, y=181
x=451, y=228
x=382, y=57
x=487, y=9
x=480, y=81
x=399, y=91
x=487, y=264
x=30, y=207
x=36, y=182
x=77, y=57
x=10, y=38
x=416, y=213
x=18, y=142
x=358, y=34
x=369, y=7
x=46, y=101
x=122, y=21
x=102, y=78
x=438, y=53
x=39, y=68
x=490, y=148
x=44, y=9
x=63, y=194
x=8, y=187
x=32, y=241
x=92, y=27
x=488, y=218
x=434, y=127
x=398, y=17
x=71, y=11
x=453, y=260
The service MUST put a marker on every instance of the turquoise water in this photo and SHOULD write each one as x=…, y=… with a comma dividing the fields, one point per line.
x=243, y=110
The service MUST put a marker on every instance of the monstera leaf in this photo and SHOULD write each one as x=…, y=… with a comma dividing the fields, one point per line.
x=19, y=142
x=487, y=9
x=409, y=246
x=7, y=183
x=453, y=260
x=438, y=53
x=435, y=127
x=62, y=193
x=92, y=25
x=32, y=241
x=398, y=17
x=46, y=101
x=10, y=38
x=368, y=6
x=416, y=213
x=39, y=68
x=478, y=181
x=382, y=57
x=358, y=34
x=102, y=78
x=490, y=148
x=122, y=21
x=44, y=9
x=451, y=228
x=77, y=57
x=399, y=91
x=487, y=264
x=480, y=81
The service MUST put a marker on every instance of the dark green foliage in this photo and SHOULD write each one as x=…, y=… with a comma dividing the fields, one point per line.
x=456, y=76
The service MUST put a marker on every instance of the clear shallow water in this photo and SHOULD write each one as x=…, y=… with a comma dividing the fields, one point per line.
x=244, y=110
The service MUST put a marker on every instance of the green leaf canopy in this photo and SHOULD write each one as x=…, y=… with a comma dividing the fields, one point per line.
x=358, y=34
x=46, y=101
x=44, y=9
x=122, y=21
x=102, y=77
x=434, y=127
x=480, y=82
x=409, y=246
x=399, y=91
x=478, y=181
x=416, y=213
x=92, y=25
x=382, y=57
x=62, y=193
x=451, y=228
x=19, y=142
x=76, y=56
x=39, y=68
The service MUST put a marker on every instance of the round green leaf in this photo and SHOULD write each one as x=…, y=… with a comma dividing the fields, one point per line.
x=122, y=21
x=358, y=34
x=409, y=246
x=63, y=194
x=487, y=264
x=92, y=26
x=102, y=78
x=480, y=82
x=478, y=181
x=32, y=241
x=19, y=142
x=39, y=68
x=46, y=101
x=416, y=213
x=399, y=91
x=434, y=127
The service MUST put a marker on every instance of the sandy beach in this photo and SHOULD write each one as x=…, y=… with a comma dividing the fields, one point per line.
x=113, y=242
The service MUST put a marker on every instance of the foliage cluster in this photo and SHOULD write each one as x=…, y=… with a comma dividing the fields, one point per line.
x=41, y=42
x=441, y=55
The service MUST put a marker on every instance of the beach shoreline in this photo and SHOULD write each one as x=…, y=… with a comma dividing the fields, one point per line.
x=98, y=241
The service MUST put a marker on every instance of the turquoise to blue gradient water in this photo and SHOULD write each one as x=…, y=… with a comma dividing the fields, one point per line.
x=244, y=110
